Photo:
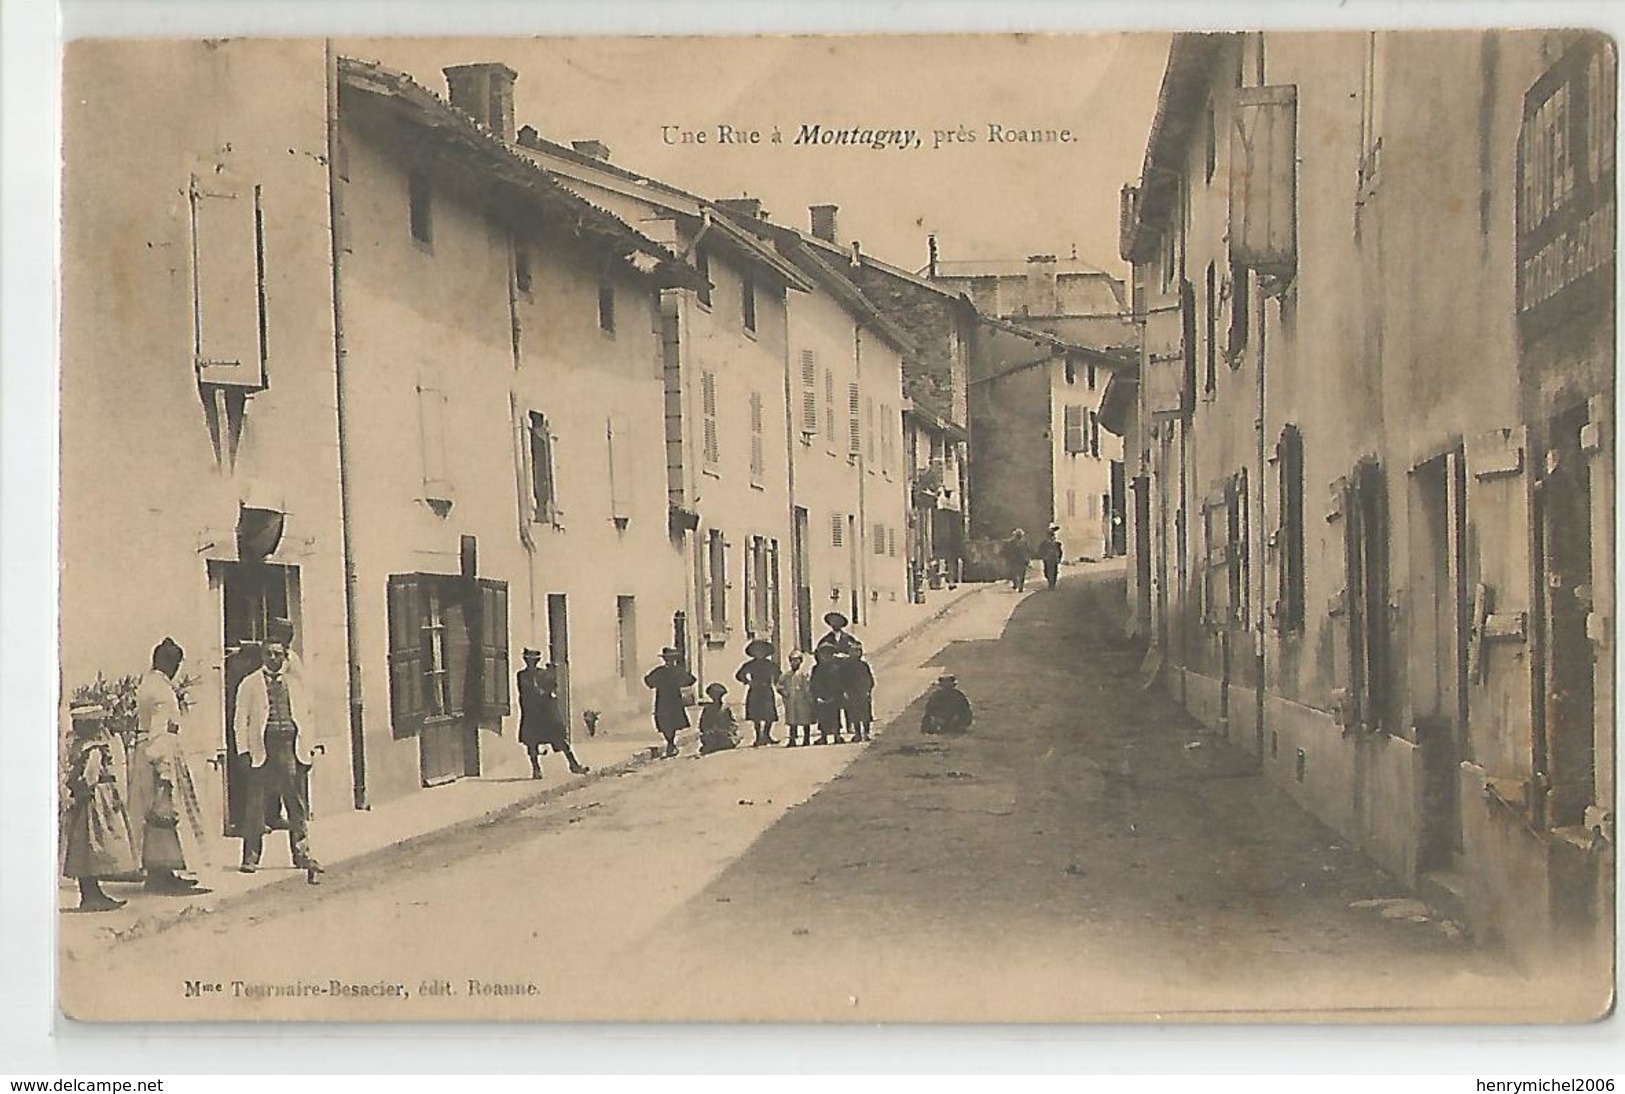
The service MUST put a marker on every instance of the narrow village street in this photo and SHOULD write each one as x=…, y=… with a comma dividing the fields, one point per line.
x=1084, y=853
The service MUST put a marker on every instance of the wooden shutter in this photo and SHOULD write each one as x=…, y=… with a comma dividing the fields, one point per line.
x=809, y=392
x=869, y=420
x=1264, y=179
x=708, y=405
x=1187, y=328
x=542, y=489
x=1073, y=431
x=406, y=662
x=854, y=422
x=460, y=644
x=829, y=406
x=432, y=425
x=227, y=276
x=493, y=652
x=620, y=467
x=758, y=440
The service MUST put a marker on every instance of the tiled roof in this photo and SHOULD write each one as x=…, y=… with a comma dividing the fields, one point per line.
x=499, y=175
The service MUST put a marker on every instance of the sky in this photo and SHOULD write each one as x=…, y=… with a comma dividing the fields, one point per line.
x=983, y=199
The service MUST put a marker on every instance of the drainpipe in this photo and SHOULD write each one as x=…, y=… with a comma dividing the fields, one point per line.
x=863, y=471
x=790, y=484
x=335, y=214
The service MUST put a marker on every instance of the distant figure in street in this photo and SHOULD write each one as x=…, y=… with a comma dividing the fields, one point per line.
x=828, y=693
x=668, y=679
x=1049, y=552
x=1017, y=554
x=274, y=727
x=857, y=693
x=947, y=711
x=760, y=675
x=796, y=688
x=541, y=723
x=96, y=833
x=161, y=792
x=718, y=730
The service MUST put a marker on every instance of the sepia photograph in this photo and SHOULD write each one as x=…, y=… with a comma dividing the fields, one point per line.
x=934, y=528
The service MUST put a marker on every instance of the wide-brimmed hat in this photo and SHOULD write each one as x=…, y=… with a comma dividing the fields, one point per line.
x=836, y=620
x=947, y=678
x=716, y=689
x=758, y=647
x=530, y=653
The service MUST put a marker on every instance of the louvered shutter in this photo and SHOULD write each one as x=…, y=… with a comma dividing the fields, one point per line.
x=620, y=467
x=708, y=405
x=494, y=662
x=809, y=392
x=432, y=425
x=1073, y=416
x=854, y=422
x=406, y=662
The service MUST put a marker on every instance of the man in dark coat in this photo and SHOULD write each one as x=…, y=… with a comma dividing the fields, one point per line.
x=668, y=679
x=540, y=721
x=1017, y=554
x=1049, y=552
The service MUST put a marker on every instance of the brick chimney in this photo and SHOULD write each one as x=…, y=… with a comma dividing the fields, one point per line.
x=745, y=207
x=595, y=148
x=484, y=91
x=823, y=222
x=1042, y=298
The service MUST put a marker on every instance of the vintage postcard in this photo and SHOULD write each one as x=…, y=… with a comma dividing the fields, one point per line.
x=1030, y=528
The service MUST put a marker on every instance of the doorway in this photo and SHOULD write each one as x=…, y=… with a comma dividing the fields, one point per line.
x=1565, y=543
x=799, y=563
x=558, y=648
x=252, y=596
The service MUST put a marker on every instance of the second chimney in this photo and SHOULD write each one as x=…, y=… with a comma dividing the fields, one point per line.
x=1041, y=293
x=823, y=222
x=484, y=92
x=750, y=208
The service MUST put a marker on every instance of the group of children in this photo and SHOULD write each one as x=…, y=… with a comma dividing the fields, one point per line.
x=835, y=693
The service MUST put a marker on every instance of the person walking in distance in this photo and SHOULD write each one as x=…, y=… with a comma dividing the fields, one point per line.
x=1017, y=554
x=668, y=679
x=274, y=728
x=760, y=675
x=795, y=687
x=1049, y=552
x=541, y=723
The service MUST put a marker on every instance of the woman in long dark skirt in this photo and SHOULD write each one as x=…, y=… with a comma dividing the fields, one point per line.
x=760, y=675
x=827, y=694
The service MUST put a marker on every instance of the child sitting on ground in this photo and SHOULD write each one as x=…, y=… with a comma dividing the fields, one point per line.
x=718, y=729
x=947, y=710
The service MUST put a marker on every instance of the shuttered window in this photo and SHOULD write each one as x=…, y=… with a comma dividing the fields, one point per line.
x=432, y=434
x=879, y=538
x=228, y=283
x=854, y=422
x=716, y=571
x=621, y=443
x=448, y=650
x=809, y=393
x=708, y=406
x=1072, y=417
x=758, y=440
x=869, y=422
x=829, y=406
x=543, y=481
x=837, y=530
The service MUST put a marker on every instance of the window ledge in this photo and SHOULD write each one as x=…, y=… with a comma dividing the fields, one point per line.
x=711, y=472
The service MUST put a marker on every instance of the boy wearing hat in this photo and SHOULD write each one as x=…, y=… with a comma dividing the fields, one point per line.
x=1049, y=552
x=96, y=834
x=668, y=679
x=718, y=730
x=796, y=688
x=541, y=724
x=857, y=693
x=947, y=710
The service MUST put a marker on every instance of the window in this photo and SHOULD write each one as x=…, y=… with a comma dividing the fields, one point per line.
x=891, y=543
x=809, y=394
x=1289, y=615
x=1211, y=332
x=606, y=307
x=543, y=481
x=837, y=527
x=228, y=284
x=448, y=650
x=869, y=419
x=1072, y=433
x=1212, y=143
x=880, y=538
x=1240, y=307
x=716, y=584
x=761, y=587
x=758, y=440
x=829, y=406
x=621, y=444
x=854, y=422
x=432, y=427
x=1094, y=435
x=521, y=268
x=708, y=407
x=419, y=200
x=1071, y=502
x=702, y=264
x=1091, y=375
x=1371, y=120
x=747, y=302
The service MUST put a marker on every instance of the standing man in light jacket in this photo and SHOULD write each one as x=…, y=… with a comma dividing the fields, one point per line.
x=274, y=728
